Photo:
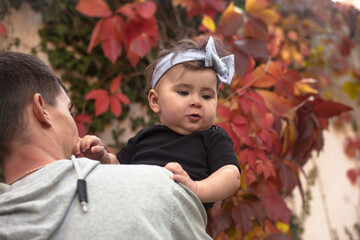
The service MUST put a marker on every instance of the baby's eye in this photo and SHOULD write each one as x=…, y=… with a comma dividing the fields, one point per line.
x=207, y=97
x=183, y=93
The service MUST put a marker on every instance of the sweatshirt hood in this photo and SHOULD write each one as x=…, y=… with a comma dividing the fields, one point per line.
x=34, y=207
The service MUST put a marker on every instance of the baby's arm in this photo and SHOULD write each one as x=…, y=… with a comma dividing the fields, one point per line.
x=219, y=185
x=92, y=147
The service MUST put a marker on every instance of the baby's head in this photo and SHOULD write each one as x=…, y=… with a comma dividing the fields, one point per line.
x=184, y=82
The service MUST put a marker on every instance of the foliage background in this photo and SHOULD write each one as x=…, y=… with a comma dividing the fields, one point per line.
x=282, y=61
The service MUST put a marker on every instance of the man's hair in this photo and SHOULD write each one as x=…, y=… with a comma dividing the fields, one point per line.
x=179, y=47
x=21, y=76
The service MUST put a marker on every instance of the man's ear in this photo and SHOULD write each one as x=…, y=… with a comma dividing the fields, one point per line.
x=39, y=111
x=153, y=99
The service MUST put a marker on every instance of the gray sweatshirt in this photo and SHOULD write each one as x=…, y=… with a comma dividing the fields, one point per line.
x=124, y=201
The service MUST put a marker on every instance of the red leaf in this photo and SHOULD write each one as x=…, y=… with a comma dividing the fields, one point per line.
x=3, y=30
x=255, y=204
x=258, y=102
x=253, y=47
x=256, y=28
x=134, y=29
x=140, y=45
x=242, y=62
x=228, y=128
x=115, y=84
x=95, y=35
x=268, y=120
x=345, y=46
x=352, y=146
x=245, y=103
x=146, y=9
x=229, y=22
x=111, y=37
x=132, y=57
x=81, y=129
x=287, y=178
x=80, y=120
x=218, y=5
x=275, y=206
x=83, y=118
x=243, y=214
x=266, y=75
x=239, y=120
x=352, y=174
x=220, y=218
x=128, y=10
x=94, y=8
x=249, y=176
x=204, y=7
x=248, y=156
x=115, y=106
x=240, y=126
x=328, y=108
x=101, y=105
x=260, y=154
x=278, y=105
x=95, y=94
x=249, y=79
x=266, y=169
x=122, y=98
x=224, y=112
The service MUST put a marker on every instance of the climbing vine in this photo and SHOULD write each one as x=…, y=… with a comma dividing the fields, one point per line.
x=275, y=110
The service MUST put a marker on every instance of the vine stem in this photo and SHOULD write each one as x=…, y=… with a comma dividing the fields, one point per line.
x=332, y=231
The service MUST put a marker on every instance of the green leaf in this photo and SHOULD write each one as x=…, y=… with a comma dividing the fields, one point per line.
x=61, y=30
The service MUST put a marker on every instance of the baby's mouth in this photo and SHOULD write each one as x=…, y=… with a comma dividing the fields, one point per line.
x=194, y=117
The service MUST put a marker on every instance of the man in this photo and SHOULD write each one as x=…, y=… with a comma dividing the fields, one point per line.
x=40, y=199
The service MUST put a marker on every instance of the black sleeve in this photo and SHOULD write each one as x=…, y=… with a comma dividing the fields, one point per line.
x=125, y=154
x=221, y=150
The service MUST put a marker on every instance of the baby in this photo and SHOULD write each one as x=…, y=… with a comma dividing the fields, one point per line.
x=184, y=84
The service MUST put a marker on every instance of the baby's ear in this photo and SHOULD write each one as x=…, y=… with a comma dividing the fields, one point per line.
x=153, y=99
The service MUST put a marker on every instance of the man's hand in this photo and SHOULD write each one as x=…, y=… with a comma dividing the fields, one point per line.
x=181, y=176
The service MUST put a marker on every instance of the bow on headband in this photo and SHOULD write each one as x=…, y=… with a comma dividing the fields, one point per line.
x=224, y=67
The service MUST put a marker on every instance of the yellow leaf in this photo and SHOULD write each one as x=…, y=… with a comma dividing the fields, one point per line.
x=230, y=8
x=255, y=6
x=286, y=55
x=297, y=57
x=287, y=136
x=268, y=16
x=283, y=227
x=352, y=89
x=301, y=88
x=208, y=23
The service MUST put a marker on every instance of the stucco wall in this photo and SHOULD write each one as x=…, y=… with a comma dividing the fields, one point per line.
x=335, y=203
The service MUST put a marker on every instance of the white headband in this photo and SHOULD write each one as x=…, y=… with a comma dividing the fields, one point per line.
x=224, y=67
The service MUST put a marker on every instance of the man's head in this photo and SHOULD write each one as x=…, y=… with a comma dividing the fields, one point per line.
x=22, y=77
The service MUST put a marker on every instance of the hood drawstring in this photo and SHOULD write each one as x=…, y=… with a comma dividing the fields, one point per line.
x=81, y=185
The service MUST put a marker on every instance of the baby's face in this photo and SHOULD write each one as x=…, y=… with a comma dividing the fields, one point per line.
x=187, y=99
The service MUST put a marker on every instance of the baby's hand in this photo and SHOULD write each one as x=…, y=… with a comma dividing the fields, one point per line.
x=181, y=176
x=91, y=147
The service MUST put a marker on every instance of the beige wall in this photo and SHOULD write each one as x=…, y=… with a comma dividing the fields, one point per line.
x=335, y=203
x=341, y=201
